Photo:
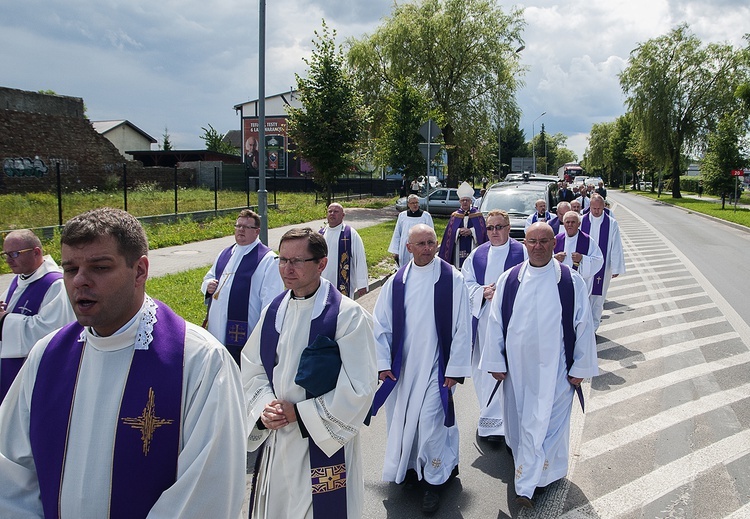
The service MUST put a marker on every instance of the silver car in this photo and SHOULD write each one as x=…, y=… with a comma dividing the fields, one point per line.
x=443, y=201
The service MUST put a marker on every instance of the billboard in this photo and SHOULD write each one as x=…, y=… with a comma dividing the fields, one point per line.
x=275, y=146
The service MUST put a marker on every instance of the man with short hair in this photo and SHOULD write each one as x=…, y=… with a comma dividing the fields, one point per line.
x=562, y=208
x=601, y=190
x=465, y=231
x=130, y=411
x=34, y=305
x=309, y=375
x=347, y=263
x=577, y=250
x=481, y=270
x=583, y=198
x=564, y=194
x=539, y=215
x=243, y=279
x=575, y=205
x=605, y=231
x=541, y=353
x=423, y=334
x=406, y=220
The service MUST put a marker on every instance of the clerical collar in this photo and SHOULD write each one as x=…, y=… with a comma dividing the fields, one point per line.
x=415, y=214
x=308, y=296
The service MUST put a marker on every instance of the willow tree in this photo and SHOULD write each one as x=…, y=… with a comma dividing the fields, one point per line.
x=677, y=90
x=332, y=119
x=459, y=53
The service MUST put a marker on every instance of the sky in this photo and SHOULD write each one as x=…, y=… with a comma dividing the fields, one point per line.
x=182, y=65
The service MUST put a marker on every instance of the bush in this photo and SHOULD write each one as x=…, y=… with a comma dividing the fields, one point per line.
x=690, y=183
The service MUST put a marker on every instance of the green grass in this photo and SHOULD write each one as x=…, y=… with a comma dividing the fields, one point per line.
x=706, y=206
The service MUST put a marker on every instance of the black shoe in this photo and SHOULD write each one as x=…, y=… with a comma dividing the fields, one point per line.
x=496, y=438
x=540, y=490
x=524, y=502
x=411, y=479
x=430, y=501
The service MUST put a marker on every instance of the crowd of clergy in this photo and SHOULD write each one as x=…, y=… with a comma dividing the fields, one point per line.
x=107, y=394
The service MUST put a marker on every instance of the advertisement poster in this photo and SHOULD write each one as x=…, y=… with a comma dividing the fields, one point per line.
x=276, y=149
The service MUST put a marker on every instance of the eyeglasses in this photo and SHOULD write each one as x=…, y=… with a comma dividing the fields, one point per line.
x=295, y=262
x=14, y=254
x=240, y=226
x=497, y=227
x=423, y=244
x=534, y=241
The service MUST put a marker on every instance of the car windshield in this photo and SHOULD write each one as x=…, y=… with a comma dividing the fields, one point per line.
x=514, y=201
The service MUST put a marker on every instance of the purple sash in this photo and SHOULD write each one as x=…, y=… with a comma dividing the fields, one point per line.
x=582, y=244
x=33, y=295
x=343, y=259
x=147, y=436
x=327, y=475
x=237, y=328
x=443, y=308
x=598, y=288
x=566, y=292
x=476, y=221
x=547, y=217
x=555, y=224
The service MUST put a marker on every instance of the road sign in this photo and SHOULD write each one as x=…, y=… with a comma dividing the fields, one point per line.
x=434, y=148
x=737, y=172
x=430, y=131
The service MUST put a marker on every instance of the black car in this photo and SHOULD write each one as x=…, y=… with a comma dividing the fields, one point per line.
x=518, y=200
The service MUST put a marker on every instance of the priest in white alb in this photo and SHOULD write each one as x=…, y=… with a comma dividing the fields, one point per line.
x=540, y=343
x=406, y=220
x=127, y=412
x=577, y=250
x=347, y=263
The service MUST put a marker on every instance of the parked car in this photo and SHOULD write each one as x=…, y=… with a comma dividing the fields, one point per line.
x=443, y=201
x=518, y=199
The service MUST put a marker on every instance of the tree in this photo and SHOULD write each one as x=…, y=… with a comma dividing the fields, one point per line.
x=677, y=89
x=460, y=53
x=332, y=118
x=215, y=141
x=722, y=156
x=166, y=144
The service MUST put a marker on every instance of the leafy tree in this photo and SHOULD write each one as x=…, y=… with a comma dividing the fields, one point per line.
x=677, y=90
x=166, y=144
x=460, y=53
x=332, y=119
x=722, y=156
x=512, y=144
x=215, y=141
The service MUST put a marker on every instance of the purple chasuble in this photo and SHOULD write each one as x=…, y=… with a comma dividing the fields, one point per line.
x=598, y=288
x=327, y=475
x=28, y=304
x=147, y=435
x=582, y=245
x=476, y=222
x=237, y=329
x=443, y=308
x=343, y=260
x=566, y=292
x=555, y=224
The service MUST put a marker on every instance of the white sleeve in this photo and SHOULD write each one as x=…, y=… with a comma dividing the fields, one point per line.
x=383, y=325
x=459, y=364
x=474, y=289
x=395, y=245
x=359, y=274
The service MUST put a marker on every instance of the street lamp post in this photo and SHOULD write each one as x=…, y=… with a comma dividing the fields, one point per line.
x=533, y=136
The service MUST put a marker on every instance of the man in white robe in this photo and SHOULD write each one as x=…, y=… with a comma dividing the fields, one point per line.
x=422, y=442
x=530, y=359
x=611, y=246
x=264, y=284
x=34, y=304
x=345, y=270
x=406, y=220
x=502, y=252
x=105, y=264
x=284, y=418
x=585, y=263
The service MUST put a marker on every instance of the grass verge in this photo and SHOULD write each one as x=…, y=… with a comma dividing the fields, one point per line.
x=708, y=206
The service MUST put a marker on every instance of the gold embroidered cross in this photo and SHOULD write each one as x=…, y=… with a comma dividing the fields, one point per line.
x=148, y=422
x=236, y=332
x=329, y=478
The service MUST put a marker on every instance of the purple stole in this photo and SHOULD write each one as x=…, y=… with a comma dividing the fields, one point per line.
x=598, y=288
x=582, y=244
x=547, y=217
x=147, y=436
x=514, y=257
x=327, y=475
x=555, y=224
x=566, y=293
x=237, y=329
x=33, y=295
x=476, y=221
x=343, y=259
x=443, y=308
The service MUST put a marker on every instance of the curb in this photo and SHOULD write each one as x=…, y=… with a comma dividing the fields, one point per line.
x=708, y=216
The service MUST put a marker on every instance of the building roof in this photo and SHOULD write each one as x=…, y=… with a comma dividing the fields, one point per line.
x=172, y=158
x=234, y=137
x=104, y=127
x=286, y=97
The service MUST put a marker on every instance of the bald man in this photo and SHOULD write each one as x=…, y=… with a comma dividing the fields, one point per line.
x=347, y=263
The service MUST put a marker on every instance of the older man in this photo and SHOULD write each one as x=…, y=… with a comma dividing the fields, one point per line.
x=465, y=231
x=423, y=333
x=406, y=220
x=539, y=215
x=605, y=231
x=128, y=412
x=34, y=304
x=575, y=206
x=577, y=250
x=481, y=269
x=347, y=264
x=556, y=222
x=243, y=279
x=306, y=413
x=542, y=353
